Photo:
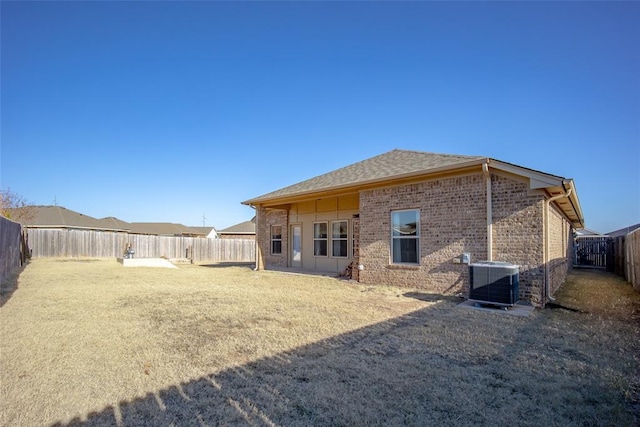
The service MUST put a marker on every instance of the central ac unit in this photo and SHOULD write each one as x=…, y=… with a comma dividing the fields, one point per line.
x=494, y=282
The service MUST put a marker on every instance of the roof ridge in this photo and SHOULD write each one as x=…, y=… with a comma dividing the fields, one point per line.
x=469, y=156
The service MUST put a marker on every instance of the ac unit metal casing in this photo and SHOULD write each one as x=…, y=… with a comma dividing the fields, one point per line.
x=494, y=282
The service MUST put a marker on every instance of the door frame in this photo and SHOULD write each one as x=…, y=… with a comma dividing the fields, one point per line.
x=292, y=263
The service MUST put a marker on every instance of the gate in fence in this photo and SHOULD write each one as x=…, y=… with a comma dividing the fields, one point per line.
x=591, y=251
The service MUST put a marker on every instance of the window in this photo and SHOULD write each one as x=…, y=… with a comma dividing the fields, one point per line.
x=405, y=237
x=339, y=235
x=320, y=238
x=276, y=239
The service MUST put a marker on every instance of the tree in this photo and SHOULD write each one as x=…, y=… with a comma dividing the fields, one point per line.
x=15, y=207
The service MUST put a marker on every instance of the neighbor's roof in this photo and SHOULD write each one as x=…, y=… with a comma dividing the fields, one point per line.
x=114, y=222
x=398, y=165
x=163, y=229
x=60, y=217
x=624, y=231
x=588, y=232
x=203, y=230
x=247, y=227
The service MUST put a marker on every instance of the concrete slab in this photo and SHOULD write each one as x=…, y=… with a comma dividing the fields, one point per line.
x=146, y=262
x=516, y=310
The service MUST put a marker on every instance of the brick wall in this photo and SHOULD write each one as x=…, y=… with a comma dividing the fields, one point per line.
x=275, y=217
x=518, y=233
x=261, y=237
x=355, y=223
x=559, y=249
x=453, y=220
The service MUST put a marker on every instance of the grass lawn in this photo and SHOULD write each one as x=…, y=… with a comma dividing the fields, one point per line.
x=91, y=342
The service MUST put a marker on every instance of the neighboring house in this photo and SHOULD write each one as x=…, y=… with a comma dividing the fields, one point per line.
x=405, y=218
x=587, y=232
x=116, y=223
x=208, y=232
x=58, y=217
x=623, y=231
x=164, y=229
x=244, y=230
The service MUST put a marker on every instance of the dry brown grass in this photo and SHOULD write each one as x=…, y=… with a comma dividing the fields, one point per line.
x=89, y=341
x=601, y=294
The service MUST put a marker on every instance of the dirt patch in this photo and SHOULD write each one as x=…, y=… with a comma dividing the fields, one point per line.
x=97, y=344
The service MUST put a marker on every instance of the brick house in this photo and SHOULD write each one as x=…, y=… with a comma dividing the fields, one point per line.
x=243, y=230
x=405, y=218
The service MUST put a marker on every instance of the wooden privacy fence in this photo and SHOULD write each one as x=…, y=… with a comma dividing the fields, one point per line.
x=616, y=258
x=13, y=247
x=632, y=258
x=105, y=244
x=624, y=257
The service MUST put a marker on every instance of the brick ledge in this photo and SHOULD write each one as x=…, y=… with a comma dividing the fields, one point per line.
x=403, y=267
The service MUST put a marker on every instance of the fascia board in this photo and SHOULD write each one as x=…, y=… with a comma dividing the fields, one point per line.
x=575, y=201
x=536, y=179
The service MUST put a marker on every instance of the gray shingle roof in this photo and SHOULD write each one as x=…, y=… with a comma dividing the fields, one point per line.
x=163, y=229
x=393, y=164
x=58, y=216
x=623, y=231
x=202, y=230
x=115, y=223
x=246, y=227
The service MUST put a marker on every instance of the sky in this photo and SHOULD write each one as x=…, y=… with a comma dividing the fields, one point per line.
x=179, y=111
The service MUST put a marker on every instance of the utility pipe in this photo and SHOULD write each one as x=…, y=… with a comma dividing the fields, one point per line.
x=487, y=175
x=547, y=245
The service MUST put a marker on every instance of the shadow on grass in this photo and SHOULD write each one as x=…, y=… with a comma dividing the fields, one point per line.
x=10, y=284
x=248, y=265
x=429, y=297
x=556, y=306
x=440, y=365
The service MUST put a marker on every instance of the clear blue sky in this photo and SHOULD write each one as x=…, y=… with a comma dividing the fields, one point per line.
x=165, y=111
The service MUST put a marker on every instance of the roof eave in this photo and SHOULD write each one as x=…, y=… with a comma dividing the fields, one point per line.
x=537, y=180
x=575, y=203
x=553, y=184
x=237, y=232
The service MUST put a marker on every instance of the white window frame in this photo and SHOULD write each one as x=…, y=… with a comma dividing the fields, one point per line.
x=276, y=240
x=340, y=239
x=320, y=239
x=408, y=237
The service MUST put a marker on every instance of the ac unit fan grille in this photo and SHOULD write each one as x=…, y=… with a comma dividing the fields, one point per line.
x=494, y=283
